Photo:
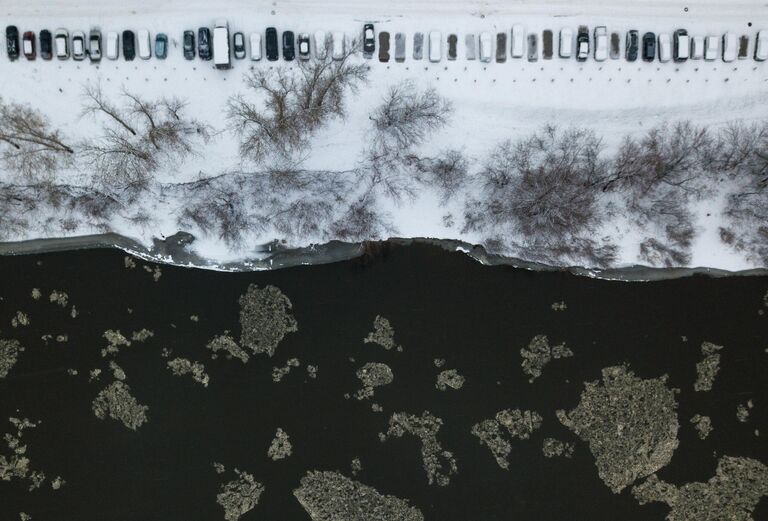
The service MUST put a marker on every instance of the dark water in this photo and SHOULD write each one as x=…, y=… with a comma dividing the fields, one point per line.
x=441, y=305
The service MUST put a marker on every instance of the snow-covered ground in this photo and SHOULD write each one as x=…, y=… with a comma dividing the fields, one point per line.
x=493, y=101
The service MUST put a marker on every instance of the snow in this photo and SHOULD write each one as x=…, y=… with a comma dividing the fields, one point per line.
x=493, y=101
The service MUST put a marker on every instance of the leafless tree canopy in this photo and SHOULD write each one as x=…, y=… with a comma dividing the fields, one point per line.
x=138, y=137
x=294, y=103
x=29, y=147
x=448, y=172
x=407, y=115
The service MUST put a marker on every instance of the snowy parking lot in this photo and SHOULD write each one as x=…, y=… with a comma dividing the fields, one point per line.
x=492, y=100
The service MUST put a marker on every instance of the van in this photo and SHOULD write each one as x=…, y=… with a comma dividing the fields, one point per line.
x=518, y=41
x=338, y=47
x=144, y=45
x=321, y=44
x=730, y=47
x=601, y=43
x=697, y=47
x=665, y=47
x=255, y=46
x=566, y=42
x=272, y=48
x=113, y=45
x=435, y=46
x=221, y=55
x=711, y=48
x=761, y=46
x=486, y=47
x=469, y=46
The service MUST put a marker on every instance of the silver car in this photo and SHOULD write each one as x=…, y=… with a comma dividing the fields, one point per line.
x=418, y=46
x=400, y=47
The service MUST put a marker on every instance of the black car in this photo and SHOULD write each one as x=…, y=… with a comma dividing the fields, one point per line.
x=129, y=45
x=288, y=42
x=271, y=44
x=649, y=47
x=681, y=45
x=369, y=41
x=189, y=45
x=12, y=42
x=582, y=43
x=633, y=45
x=204, y=50
x=46, y=44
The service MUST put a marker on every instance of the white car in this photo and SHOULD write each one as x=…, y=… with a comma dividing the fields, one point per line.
x=337, y=46
x=697, y=47
x=62, y=44
x=486, y=47
x=113, y=45
x=321, y=42
x=665, y=47
x=761, y=46
x=144, y=45
x=566, y=43
x=435, y=46
x=730, y=47
x=601, y=43
x=711, y=48
x=518, y=41
x=78, y=45
x=255, y=46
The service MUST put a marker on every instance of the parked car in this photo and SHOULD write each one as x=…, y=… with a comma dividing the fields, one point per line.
x=649, y=47
x=321, y=44
x=697, y=47
x=501, y=47
x=188, y=44
x=204, y=50
x=486, y=47
x=289, y=53
x=470, y=47
x=222, y=55
x=566, y=42
x=338, y=45
x=615, y=52
x=383, y=46
x=582, y=43
x=665, y=47
x=46, y=44
x=94, y=45
x=113, y=45
x=303, y=44
x=761, y=46
x=28, y=45
x=238, y=45
x=78, y=45
x=418, y=46
x=601, y=43
x=161, y=46
x=533, y=47
x=129, y=45
x=12, y=42
x=369, y=41
x=546, y=44
x=518, y=41
x=682, y=45
x=632, y=45
x=61, y=39
x=743, y=47
x=730, y=47
x=400, y=47
x=271, y=43
x=435, y=46
x=711, y=48
x=255, y=46
x=144, y=44
x=453, y=42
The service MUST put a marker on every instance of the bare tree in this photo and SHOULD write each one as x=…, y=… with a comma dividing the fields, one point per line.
x=294, y=103
x=407, y=115
x=448, y=172
x=138, y=138
x=29, y=147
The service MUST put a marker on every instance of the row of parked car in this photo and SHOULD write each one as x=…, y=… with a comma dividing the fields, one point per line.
x=220, y=46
